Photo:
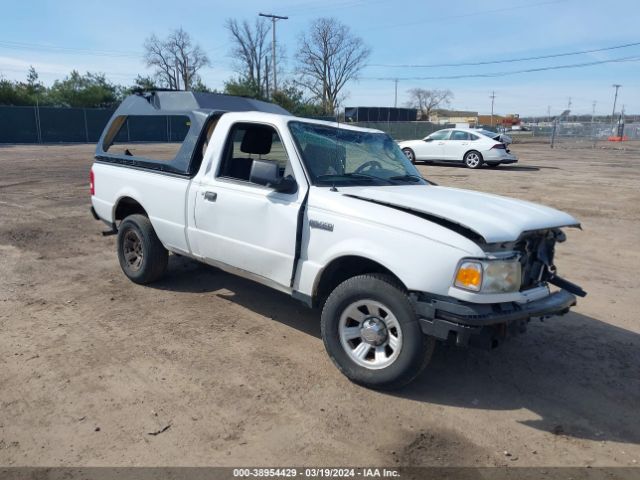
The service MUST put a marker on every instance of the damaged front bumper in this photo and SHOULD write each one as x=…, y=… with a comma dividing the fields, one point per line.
x=483, y=325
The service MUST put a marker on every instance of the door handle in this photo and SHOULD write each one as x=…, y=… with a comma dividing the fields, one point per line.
x=210, y=196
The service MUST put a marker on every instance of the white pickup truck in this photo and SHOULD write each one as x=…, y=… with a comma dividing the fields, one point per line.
x=334, y=215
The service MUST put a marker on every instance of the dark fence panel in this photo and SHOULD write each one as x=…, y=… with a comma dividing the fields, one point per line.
x=380, y=114
x=403, y=130
x=97, y=118
x=18, y=125
x=147, y=129
x=178, y=128
x=62, y=125
x=52, y=124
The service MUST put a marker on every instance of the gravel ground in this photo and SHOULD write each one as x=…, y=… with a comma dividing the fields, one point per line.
x=205, y=368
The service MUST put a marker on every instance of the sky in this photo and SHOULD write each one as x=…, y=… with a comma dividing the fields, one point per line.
x=58, y=36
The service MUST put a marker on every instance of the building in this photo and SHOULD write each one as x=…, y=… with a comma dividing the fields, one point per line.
x=487, y=120
x=443, y=116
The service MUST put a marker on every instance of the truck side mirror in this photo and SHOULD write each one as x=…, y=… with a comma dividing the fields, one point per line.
x=267, y=173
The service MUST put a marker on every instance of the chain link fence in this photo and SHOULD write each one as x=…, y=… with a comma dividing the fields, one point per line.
x=578, y=134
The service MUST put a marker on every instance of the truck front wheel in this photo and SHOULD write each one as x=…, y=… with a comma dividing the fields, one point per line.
x=142, y=256
x=372, y=334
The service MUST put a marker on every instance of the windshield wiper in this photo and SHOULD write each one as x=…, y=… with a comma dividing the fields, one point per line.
x=364, y=175
x=407, y=178
x=351, y=176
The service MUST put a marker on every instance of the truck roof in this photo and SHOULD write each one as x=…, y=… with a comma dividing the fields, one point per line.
x=160, y=101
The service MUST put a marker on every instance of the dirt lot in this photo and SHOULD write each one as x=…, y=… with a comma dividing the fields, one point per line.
x=91, y=365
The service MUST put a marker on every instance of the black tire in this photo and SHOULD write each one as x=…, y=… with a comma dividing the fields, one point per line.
x=142, y=256
x=416, y=348
x=410, y=154
x=473, y=159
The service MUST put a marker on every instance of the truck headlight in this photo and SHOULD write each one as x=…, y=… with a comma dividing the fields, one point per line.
x=489, y=276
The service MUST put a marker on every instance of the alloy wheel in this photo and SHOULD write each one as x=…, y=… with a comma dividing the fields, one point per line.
x=370, y=334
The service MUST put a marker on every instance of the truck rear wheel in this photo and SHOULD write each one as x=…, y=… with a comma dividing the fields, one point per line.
x=142, y=256
x=372, y=334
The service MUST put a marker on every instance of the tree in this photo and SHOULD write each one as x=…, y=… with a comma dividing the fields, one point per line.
x=425, y=101
x=176, y=59
x=242, y=87
x=200, y=86
x=249, y=49
x=31, y=92
x=291, y=98
x=34, y=86
x=329, y=56
x=89, y=90
x=145, y=83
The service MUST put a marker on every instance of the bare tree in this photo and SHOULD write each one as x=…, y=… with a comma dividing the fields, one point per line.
x=249, y=50
x=425, y=101
x=176, y=59
x=328, y=57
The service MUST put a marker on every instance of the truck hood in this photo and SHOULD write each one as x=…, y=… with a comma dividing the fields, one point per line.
x=492, y=217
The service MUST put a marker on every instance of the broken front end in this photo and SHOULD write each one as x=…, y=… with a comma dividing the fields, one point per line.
x=525, y=266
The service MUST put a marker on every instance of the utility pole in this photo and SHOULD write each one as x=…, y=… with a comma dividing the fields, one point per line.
x=615, y=99
x=548, y=113
x=274, y=19
x=395, y=101
x=266, y=79
x=492, y=97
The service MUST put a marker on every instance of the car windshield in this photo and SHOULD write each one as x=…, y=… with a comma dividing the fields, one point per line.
x=339, y=156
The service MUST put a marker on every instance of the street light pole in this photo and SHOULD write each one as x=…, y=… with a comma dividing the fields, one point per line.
x=492, y=97
x=395, y=102
x=274, y=19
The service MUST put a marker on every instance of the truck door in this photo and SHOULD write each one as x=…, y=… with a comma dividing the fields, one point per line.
x=242, y=224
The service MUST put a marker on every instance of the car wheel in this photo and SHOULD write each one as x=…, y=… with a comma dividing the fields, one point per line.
x=473, y=159
x=142, y=256
x=372, y=333
x=410, y=154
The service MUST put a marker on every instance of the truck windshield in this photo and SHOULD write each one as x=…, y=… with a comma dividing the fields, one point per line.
x=340, y=156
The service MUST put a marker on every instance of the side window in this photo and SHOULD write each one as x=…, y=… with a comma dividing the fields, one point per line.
x=248, y=142
x=441, y=135
x=155, y=137
x=459, y=135
x=473, y=137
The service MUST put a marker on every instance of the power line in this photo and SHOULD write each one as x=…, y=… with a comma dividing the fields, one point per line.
x=79, y=51
x=55, y=48
x=470, y=14
x=634, y=58
x=511, y=60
